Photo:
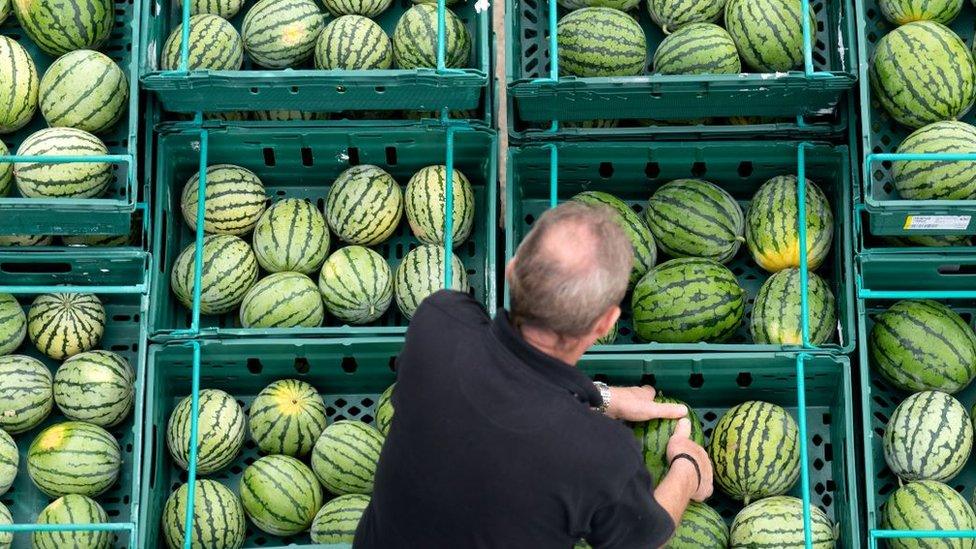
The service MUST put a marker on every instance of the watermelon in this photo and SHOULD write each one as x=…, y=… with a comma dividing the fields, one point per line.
x=415, y=39
x=778, y=522
x=353, y=42
x=9, y=460
x=287, y=418
x=6, y=172
x=18, y=88
x=772, y=225
x=929, y=240
x=291, y=236
x=900, y=12
x=356, y=285
x=6, y=538
x=421, y=273
x=97, y=240
x=4, y=13
x=280, y=495
x=62, y=325
x=233, y=204
x=69, y=180
x=220, y=431
x=755, y=450
x=72, y=509
x=928, y=437
x=218, y=517
x=83, y=89
x=214, y=44
x=26, y=240
x=364, y=205
x=777, y=313
x=609, y=337
x=281, y=33
x=60, y=26
x=695, y=218
x=384, y=411
x=425, y=203
x=26, y=393
x=923, y=346
x=928, y=505
x=283, y=300
x=917, y=53
x=13, y=324
x=226, y=9
x=698, y=48
x=688, y=300
x=345, y=457
x=937, y=180
x=97, y=387
x=671, y=15
x=229, y=271
x=595, y=124
x=641, y=240
x=600, y=42
x=337, y=520
x=769, y=33
x=622, y=5
x=701, y=527
x=653, y=437
x=366, y=8
x=74, y=457
x=285, y=115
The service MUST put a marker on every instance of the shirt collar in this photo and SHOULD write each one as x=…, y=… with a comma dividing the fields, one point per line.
x=550, y=368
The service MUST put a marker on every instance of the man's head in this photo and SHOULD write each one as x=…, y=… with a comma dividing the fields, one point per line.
x=570, y=273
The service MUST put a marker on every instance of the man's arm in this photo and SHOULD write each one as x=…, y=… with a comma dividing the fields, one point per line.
x=688, y=478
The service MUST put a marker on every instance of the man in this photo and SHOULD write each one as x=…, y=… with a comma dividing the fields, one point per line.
x=499, y=441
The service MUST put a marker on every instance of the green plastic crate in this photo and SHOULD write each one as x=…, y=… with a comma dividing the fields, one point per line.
x=540, y=96
x=307, y=89
x=120, y=286
x=294, y=163
x=110, y=214
x=633, y=171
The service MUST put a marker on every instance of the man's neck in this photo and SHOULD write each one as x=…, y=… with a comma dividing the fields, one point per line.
x=553, y=345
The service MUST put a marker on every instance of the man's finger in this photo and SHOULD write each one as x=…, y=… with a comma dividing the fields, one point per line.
x=651, y=391
x=659, y=410
x=683, y=430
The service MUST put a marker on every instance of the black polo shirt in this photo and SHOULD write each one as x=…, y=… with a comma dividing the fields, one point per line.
x=494, y=444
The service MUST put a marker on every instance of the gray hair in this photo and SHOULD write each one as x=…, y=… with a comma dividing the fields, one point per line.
x=573, y=265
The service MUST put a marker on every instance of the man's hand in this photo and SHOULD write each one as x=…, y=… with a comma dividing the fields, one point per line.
x=637, y=404
x=681, y=443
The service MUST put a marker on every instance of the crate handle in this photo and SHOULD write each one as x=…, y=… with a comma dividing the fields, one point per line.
x=35, y=268
x=957, y=269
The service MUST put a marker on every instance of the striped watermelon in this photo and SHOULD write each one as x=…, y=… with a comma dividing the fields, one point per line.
x=229, y=271
x=62, y=325
x=218, y=517
x=337, y=520
x=698, y=48
x=653, y=437
x=353, y=42
x=13, y=324
x=345, y=457
x=929, y=240
x=83, y=89
x=701, y=527
x=641, y=239
x=226, y=9
x=600, y=42
x=97, y=240
x=18, y=86
x=900, y=12
x=281, y=33
x=366, y=8
x=280, y=495
x=97, y=387
x=26, y=393
x=755, y=449
x=9, y=460
x=364, y=205
x=291, y=236
x=69, y=180
x=695, y=218
x=937, y=180
x=595, y=124
x=283, y=300
x=769, y=33
x=384, y=411
x=778, y=522
x=6, y=172
x=285, y=115
x=687, y=300
x=220, y=431
x=356, y=284
x=60, y=26
x=421, y=273
x=287, y=417
x=922, y=346
x=671, y=15
x=26, y=240
x=74, y=457
x=4, y=13
x=6, y=538
x=777, y=313
x=425, y=202
x=928, y=505
x=214, y=44
x=772, y=225
x=622, y=5
x=233, y=204
x=72, y=509
x=609, y=337
x=928, y=437
x=916, y=53
x=415, y=39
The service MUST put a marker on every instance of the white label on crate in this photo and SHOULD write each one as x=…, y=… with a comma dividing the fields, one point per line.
x=939, y=222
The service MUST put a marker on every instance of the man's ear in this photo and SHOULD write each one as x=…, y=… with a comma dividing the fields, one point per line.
x=606, y=321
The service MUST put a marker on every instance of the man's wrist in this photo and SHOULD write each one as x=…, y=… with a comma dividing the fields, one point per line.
x=605, y=397
x=687, y=473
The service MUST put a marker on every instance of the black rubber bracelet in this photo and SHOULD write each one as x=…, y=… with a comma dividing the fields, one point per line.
x=693, y=462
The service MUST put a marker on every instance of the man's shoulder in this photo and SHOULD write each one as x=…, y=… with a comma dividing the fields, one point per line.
x=449, y=306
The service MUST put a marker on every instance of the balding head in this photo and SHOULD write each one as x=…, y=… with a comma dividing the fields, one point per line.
x=570, y=269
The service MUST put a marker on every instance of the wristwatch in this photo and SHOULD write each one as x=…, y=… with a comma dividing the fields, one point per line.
x=604, y=396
